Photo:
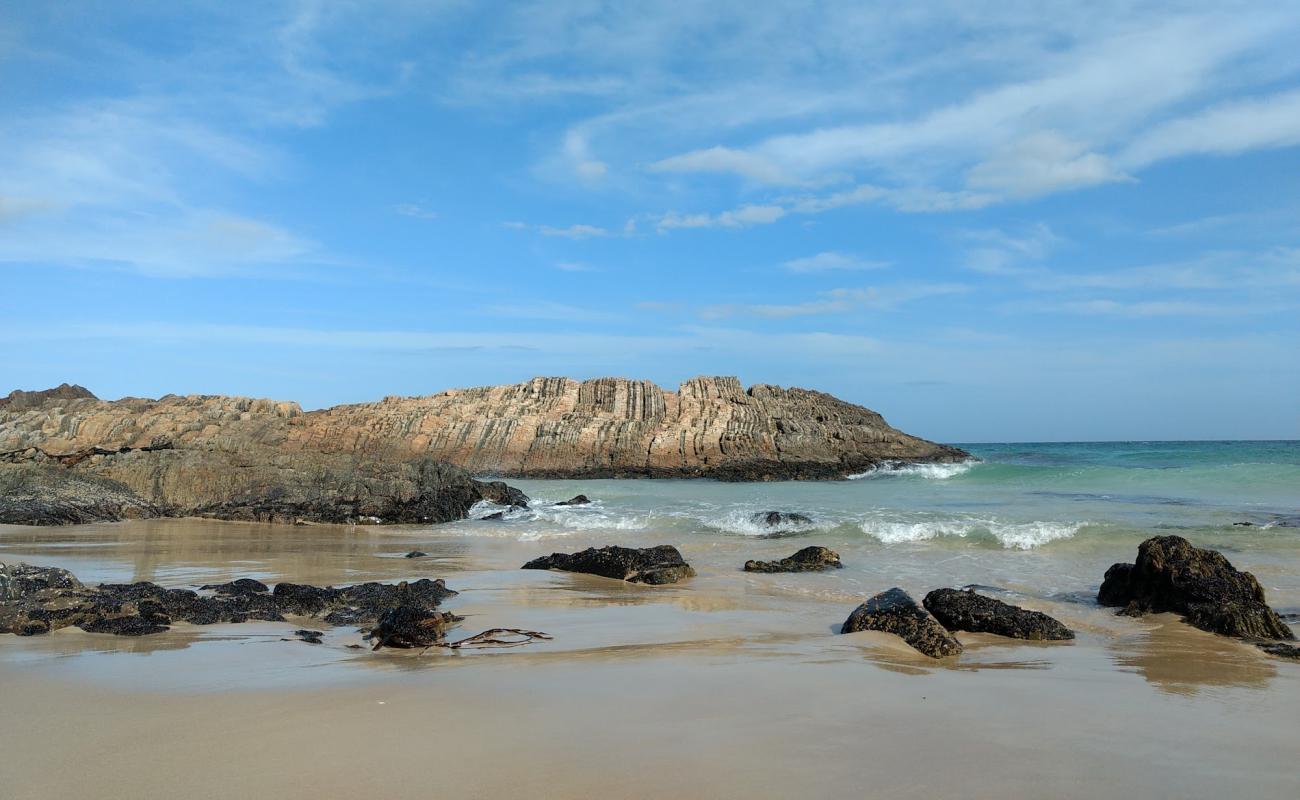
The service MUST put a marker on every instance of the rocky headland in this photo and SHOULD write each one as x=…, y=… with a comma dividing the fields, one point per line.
x=67, y=456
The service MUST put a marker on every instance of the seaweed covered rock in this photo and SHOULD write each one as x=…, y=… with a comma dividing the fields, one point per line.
x=36, y=600
x=32, y=494
x=577, y=500
x=239, y=586
x=809, y=559
x=896, y=612
x=412, y=626
x=653, y=565
x=780, y=519
x=359, y=604
x=1172, y=575
x=964, y=610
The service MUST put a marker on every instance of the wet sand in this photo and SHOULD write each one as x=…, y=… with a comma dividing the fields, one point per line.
x=728, y=685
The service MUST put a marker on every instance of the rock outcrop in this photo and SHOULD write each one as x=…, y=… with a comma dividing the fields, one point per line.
x=254, y=485
x=36, y=600
x=653, y=565
x=809, y=559
x=964, y=610
x=545, y=427
x=1172, y=575
x=896, y=612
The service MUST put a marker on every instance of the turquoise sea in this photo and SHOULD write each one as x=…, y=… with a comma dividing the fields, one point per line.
x=1041, y=518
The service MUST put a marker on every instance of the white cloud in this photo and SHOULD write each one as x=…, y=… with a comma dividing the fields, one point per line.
x=742, y=217
x=1041, y=163
x=830, y=261
x=996, y=252
x=415, y=210
x=191, y=244
x=726, y=160
x=1259, y=123
x=837, y=301
x=1154, y=308
x=578, y=231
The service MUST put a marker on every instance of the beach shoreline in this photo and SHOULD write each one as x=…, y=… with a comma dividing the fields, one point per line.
x=729, y=684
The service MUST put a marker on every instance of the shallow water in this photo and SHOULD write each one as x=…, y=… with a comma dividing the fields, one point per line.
x=734, y=684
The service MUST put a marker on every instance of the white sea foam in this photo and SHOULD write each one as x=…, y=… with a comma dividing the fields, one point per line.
x=1011, y=535
x=936, y=472
x=542, y=518
x=742, y=521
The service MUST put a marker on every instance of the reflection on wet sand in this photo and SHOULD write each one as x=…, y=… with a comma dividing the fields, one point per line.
x=1177, y=658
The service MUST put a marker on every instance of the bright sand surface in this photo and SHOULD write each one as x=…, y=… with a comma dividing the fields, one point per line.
x=727, y=685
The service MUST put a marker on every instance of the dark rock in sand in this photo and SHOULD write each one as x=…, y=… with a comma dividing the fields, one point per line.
x=18, y=581
x=896, y=612
x=359, y=604
x=1172, y=575
x=412, y=626
x=654, y=565
x=775, y=519
x=959, y=610
x=809, y=559
x=36, y=600
x=310, y=637
x=416, y=554
x=240, y=586
x=579, y=500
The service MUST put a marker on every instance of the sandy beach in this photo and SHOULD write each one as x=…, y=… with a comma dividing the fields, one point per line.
x=727, y=685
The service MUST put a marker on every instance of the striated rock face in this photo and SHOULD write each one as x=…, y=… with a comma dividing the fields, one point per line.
x=546, y=427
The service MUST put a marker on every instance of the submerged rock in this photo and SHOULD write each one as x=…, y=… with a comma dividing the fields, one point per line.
x=653, y=565
x=896, y=612
x=1202, y=585
x=776, y=519
x=809, y=559
x=579, y=500
x=416, y=554
x=963, y=610
x=310, y=637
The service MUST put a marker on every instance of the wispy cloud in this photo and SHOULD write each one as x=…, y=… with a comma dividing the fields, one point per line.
x=833, y=261
x=996, y=252
x=1153, y=308
x=837, y=301
x=415, y=210
x=576, y=231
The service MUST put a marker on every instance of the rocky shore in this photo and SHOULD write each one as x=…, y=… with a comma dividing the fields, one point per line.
x=1170, y=575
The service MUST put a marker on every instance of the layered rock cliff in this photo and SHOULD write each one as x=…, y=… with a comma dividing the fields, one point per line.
x=545, y=427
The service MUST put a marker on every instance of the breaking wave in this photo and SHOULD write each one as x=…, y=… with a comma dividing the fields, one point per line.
x=1011, y=535
x=936, y=472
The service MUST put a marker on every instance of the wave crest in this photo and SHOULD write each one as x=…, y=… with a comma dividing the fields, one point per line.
x=936, y=472
x=1011, y=535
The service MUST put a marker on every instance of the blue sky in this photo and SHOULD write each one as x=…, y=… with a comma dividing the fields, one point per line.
x=988, y=221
